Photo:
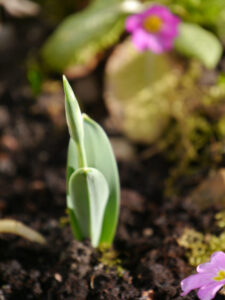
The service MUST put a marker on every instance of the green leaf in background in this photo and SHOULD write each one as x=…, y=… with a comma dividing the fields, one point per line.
x=207, y=13
x=99, y=155
x=194, y=41
x=220, y=26
x=138, y=88
x=89, y=193
x=83, y=35
x=202, y=12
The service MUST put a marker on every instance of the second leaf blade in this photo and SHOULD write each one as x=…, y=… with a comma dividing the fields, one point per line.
x=89, y=195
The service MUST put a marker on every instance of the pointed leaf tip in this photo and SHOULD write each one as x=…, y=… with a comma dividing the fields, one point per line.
x=64, y=79
x=73, y=113
x=67, y=89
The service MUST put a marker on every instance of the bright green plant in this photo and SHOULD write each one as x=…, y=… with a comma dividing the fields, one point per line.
x=92, y=177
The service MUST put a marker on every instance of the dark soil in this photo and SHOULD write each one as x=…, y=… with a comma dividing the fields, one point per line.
x=33, y=146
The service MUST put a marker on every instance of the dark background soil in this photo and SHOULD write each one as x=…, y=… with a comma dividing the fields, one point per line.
x=33, y=150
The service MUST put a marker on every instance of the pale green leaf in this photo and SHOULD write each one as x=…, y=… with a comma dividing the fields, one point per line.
x=99, y=155
x=73, y=220
x=89, y=194
x=137, y=87
x=194, y=41
x=83, y=35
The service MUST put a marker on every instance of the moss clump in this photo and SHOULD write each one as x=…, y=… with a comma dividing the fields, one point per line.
x=220, y=219
x=199, y=246
x=198, y=125
x=109, y=258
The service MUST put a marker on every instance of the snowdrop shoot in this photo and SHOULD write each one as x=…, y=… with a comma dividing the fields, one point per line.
x=92, y=177
x=155, y=29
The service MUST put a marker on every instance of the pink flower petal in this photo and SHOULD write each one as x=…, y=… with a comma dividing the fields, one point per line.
x=157, y=42
x=217, y=260
x=154, y=44
x=169, y=32
x=140, y=39
x=195, y=281
x=169, y=18
x=206, y=268
x=209, y=291
x=132, y=23
x=165, y=15
x=176, y=20
x=216, y=264
x=157, y=10
x=167, y=44
x=144, y=41
x=218, y=257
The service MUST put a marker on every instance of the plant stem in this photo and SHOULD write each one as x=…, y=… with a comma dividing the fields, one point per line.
x=82, y=161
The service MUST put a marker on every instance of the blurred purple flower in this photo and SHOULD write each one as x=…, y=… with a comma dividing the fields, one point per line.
x=210, y=278
x=154, y=29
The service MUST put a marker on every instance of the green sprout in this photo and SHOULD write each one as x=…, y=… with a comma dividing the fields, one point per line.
x=93, y=190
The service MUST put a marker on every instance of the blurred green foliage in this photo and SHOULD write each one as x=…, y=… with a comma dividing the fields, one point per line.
x=35, y=79
x=208, y=13
x=83, y=35
x=221, y=127
x=56, y=10
x=195, y=41
x=197, y=11
x=158, y=100
x=137, y=91
x=163, y=101
x=80, y=39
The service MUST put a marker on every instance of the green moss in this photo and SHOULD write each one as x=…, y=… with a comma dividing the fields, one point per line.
x=220, y=219
x=63, y=221
x=109, y=258
x=198, y=124
x=200, y=247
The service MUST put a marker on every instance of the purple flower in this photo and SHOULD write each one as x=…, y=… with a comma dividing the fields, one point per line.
x=154, y=29
x=210, y=278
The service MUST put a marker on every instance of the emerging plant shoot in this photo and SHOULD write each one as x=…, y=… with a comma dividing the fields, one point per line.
x=93, y=189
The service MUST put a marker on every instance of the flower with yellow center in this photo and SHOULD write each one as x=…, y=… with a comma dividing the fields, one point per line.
x=210, y=278
x=153, y=24
x=220, y=275
x=154, y=29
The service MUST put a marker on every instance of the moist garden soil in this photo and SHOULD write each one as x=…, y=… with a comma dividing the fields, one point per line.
x=146, y=262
